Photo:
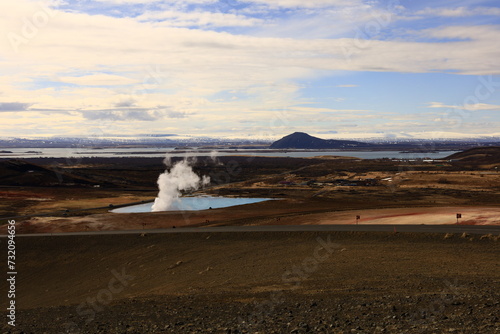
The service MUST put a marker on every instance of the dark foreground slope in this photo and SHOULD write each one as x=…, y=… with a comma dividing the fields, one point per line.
x=283, y=282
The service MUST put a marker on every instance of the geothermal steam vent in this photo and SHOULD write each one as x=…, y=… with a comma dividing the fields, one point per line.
x=176, y=178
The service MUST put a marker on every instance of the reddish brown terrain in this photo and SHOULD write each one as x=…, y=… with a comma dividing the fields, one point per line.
x=255, y=282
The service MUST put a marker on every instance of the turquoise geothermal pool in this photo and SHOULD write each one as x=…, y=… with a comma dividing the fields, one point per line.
x=194, y=204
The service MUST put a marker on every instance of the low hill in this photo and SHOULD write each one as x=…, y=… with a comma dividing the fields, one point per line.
x=22, y=173
x=483, y=155
x=304, y=141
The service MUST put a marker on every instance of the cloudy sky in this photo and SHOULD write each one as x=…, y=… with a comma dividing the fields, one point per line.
x=255, y=68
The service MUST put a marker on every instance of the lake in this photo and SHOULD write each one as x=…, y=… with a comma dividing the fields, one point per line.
x=195, y=204
x=75, y=153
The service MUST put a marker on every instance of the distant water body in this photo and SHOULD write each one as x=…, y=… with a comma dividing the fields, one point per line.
x=19, y=153
x=194, y=204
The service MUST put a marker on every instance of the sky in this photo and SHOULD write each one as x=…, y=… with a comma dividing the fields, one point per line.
x=250, y=69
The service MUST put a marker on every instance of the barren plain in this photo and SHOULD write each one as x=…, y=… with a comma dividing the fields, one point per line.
x=255, y=282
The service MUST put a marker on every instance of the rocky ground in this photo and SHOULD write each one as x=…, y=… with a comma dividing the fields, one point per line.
x=279, y=282
x=320, y=313
x=475, y=312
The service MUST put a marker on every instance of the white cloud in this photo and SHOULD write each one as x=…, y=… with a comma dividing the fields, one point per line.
x=304, y=4
x=146, y=2
x=471, y=107
x=347, y=86
x=98, y=79
x=466, y=32
x=129, y=63
x=137, y=114
x=459, y=11
x=202, y=19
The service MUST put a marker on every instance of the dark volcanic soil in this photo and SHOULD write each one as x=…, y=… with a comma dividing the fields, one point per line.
x=281, y=282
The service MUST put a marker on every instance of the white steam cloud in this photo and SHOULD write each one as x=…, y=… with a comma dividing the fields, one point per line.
x=214, y=157
x=176, y=178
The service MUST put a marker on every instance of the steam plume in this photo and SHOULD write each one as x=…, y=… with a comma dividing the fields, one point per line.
x=214, y=157
x=177, y=177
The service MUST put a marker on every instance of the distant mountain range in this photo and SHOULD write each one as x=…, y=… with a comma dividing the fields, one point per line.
x=302, y=140
x=297, y=140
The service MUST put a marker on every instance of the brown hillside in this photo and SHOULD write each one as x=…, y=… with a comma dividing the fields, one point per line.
x=485, y=155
